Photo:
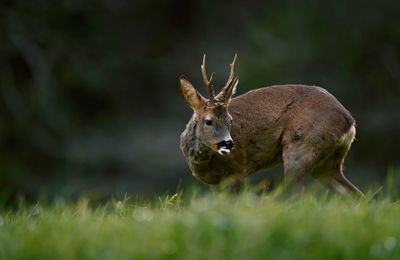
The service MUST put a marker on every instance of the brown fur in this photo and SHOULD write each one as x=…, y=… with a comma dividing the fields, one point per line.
x=303, y=127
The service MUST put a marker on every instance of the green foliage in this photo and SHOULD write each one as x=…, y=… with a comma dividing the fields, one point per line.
x=208, y=226
x=89, y=97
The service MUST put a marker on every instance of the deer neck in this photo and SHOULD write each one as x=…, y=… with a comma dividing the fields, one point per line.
x=195, y=151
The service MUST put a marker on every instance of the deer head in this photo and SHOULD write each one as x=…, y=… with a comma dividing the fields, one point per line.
x=211, y=117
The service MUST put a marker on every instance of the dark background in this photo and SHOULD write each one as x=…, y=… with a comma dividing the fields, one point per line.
x=89, y=96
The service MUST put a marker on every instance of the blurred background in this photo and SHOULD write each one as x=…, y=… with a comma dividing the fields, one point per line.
x=89, y=96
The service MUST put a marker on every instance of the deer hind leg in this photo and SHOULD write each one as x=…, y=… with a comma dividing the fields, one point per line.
x=341, y=185
x=331, y=172
x=334, y=178
x=297, y=163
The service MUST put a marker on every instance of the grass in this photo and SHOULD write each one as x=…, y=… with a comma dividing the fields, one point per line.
x=208, y=226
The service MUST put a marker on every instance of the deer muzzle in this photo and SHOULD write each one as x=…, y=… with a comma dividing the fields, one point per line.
x=225, y=147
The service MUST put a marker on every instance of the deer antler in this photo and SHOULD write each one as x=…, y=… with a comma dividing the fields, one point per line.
x=230, y=84
x=231, y=78
x=207, y=82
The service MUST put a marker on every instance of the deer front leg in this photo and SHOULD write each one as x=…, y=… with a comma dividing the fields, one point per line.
x=235, y=186
x=230, y=185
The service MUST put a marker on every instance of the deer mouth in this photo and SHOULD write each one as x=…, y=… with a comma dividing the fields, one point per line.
x=225, y=147
x=224, y=151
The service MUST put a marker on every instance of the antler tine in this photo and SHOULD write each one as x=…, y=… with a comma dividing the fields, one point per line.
x=207, y=82
x=228, y=89
x=232, y=72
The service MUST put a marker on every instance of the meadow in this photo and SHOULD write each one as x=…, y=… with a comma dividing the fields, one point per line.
x=187, y=225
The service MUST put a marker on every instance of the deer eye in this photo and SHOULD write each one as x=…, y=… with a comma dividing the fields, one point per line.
x=208, y=122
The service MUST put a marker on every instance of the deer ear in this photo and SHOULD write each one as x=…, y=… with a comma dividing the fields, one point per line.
x=191, y=96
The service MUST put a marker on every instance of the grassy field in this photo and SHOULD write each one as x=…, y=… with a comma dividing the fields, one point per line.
x=207, y=226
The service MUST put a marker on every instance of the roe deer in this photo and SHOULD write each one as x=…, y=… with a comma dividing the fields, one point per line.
x=303, y=127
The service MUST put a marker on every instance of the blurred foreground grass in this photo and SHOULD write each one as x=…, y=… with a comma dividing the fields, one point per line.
x=207, y=226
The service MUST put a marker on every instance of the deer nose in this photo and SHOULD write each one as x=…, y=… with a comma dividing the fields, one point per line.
x=227, y=144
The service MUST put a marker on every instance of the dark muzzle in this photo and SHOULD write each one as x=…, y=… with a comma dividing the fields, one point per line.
x=227, y=144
